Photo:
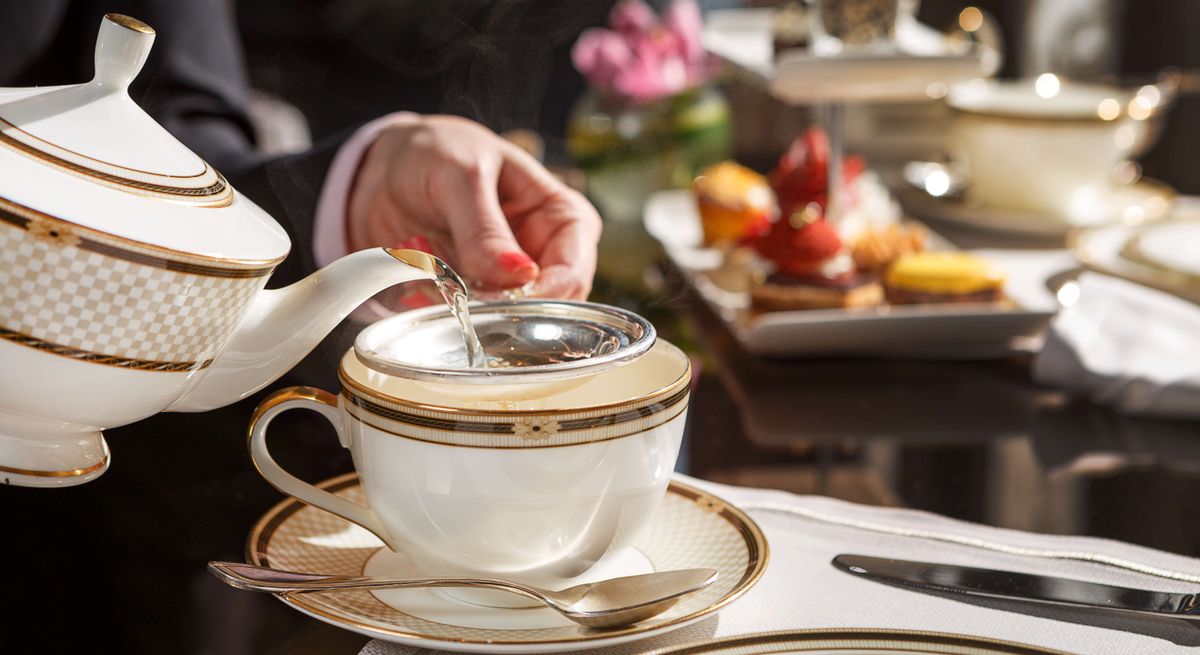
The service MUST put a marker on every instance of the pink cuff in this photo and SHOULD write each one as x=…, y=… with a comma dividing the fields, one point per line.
x=329, y=226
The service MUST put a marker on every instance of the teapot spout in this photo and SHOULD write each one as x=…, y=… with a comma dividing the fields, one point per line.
x=284, y=325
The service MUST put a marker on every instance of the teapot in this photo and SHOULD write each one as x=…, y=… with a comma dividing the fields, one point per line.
x=132, y=276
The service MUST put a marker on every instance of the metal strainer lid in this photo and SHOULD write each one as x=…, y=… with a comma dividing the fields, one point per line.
x=525, y=341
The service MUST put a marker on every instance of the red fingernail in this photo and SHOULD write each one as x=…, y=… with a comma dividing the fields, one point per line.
x=515, y=261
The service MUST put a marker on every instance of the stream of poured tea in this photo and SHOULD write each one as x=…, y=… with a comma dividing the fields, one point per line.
x=455, y=295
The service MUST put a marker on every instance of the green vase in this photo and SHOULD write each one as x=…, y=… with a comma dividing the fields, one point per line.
x=629, y=151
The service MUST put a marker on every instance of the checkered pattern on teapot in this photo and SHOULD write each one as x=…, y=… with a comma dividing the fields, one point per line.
x=56, y=292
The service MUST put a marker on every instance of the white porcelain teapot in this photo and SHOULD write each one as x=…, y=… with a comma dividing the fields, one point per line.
x=132, y=276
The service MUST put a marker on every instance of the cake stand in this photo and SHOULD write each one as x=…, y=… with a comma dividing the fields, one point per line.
x=922, y=63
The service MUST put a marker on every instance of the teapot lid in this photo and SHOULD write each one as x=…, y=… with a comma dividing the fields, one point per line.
x=86, y=155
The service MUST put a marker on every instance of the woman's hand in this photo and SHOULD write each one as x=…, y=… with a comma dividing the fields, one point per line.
x=489, y=209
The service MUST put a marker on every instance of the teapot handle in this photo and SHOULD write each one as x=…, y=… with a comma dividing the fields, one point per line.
x=325, y=404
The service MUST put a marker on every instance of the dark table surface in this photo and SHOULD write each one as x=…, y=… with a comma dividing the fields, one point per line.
x=118, y=564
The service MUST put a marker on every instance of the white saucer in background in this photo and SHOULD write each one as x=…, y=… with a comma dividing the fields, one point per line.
x=1173, y=246
x=1126, y=205
x=1164, y=256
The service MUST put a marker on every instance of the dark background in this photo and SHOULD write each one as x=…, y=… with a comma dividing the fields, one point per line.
x=117, y=565
x=507, y=63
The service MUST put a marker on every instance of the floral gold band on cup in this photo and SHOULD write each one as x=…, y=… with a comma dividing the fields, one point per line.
x=501, y=429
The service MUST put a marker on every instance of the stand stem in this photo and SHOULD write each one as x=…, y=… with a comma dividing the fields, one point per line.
x=832, y=114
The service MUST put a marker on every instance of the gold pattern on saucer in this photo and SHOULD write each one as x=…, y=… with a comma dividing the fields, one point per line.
x=207, y=188
x=864, y=641
x=711, y=504
x=298, y=537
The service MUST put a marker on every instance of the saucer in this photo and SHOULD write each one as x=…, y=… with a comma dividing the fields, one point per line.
x=690, y=529
x=860, y=641
x=1128, y=204
x=1107, y=250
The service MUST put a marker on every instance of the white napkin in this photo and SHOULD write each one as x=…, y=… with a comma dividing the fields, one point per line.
x=1125, y=345
x=802, y=590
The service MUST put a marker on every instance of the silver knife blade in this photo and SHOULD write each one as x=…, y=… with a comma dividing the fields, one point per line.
x=992, y=583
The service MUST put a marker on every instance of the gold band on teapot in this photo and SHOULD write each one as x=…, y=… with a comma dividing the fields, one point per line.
x=67, y=233
x=70, y=473
x=207, y=188
x=86, y=295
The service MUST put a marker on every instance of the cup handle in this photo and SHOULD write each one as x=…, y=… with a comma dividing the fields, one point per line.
x=325, y=404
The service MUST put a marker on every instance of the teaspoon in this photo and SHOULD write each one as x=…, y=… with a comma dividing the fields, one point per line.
x=612, y=603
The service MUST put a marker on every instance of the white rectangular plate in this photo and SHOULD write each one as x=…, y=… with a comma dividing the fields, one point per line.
x=952, y=331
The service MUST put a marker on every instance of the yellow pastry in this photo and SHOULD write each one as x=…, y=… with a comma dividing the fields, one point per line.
x=942, y=277
x=735, y=203
x=875, y=249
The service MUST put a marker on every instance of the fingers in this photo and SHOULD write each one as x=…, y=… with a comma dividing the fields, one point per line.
x=497, y=215
x=568, y=256
x=488, y=251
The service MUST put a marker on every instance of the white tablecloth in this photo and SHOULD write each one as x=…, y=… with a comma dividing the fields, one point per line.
x=802, y=590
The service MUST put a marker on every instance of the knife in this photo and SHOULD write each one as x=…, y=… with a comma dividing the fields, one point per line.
x=990, y=583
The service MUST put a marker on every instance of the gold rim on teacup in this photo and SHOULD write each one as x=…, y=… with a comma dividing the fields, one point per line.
x=517, y=428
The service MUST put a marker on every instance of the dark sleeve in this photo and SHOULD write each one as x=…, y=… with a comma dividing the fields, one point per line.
x=194, y=82
x=195, y=85
x=287, y=188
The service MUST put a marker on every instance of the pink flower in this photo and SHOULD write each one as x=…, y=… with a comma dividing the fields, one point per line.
x=641, y=59
x=682, y=19
x=633, y=18
x=601, y=55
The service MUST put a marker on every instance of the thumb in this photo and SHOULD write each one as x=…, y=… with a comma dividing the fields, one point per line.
x=487, y=251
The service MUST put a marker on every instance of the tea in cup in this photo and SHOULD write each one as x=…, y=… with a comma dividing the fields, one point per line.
x=534, y=468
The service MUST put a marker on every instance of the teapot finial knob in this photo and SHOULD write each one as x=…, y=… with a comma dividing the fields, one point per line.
x=121, y=49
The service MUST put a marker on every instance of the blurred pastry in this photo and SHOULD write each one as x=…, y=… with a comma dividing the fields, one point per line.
x=942, y=277
x=735, y=203
x=801, y=176
x=800, y=243
x=812, y=269
x=875, y=249
x=784, y=292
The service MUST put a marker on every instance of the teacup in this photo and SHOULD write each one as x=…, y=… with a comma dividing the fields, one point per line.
x=468, y=472
x=1046, y=145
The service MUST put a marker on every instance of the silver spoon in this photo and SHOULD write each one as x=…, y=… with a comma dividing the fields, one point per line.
x=609, y=603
